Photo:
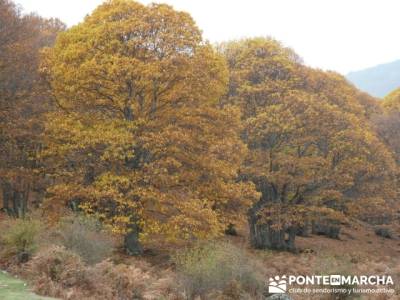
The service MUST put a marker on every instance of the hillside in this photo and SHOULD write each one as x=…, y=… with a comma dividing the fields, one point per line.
x=138, y=161
x=379, y=80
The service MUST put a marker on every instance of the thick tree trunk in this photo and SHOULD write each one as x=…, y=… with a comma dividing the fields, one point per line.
x=290, y=243
x=132, y=244
x=259, y=237
x=263, y=236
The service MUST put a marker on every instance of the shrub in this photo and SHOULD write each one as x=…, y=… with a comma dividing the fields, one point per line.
x=86, y=237
x=215, y=266
x=120, y=281
x=61, y=273
x=55, y=269
x=20, y=238
x=338, y=264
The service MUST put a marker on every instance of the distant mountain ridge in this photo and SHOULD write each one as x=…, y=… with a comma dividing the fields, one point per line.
x=378, y=81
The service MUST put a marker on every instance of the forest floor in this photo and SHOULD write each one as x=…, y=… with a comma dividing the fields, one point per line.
x=358, y=251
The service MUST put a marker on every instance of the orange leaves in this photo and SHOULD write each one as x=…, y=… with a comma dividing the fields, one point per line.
x=141, y=131
x=141, y=58
x=311, y=148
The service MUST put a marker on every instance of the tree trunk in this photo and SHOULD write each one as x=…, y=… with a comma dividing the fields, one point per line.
x=132, y=244
x=6, y=189
x=259, y=238
x=263, y=236
x=15, y=202
x=290, y=243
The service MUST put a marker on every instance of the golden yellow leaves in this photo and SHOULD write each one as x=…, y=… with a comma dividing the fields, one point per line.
x=310, y=144
x=148, y=134
x=141, y=132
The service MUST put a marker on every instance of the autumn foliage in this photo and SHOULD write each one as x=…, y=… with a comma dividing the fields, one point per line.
x=23, y=100
x=139, y=139
x=132, y=118
x=313, y=155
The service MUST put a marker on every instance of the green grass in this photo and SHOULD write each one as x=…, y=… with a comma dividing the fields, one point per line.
x=14, y=289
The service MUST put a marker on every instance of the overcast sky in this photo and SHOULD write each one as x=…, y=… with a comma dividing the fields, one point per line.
x=340, y=35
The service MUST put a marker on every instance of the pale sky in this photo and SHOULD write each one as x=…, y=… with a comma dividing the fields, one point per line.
x=340, y=35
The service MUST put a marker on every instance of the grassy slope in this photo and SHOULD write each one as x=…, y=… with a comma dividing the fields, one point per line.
x=15, y=289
